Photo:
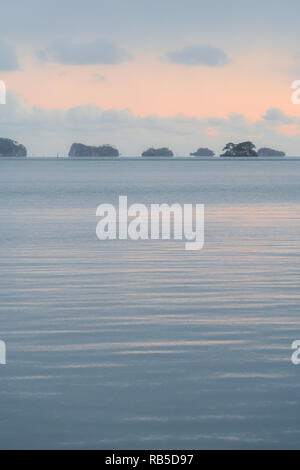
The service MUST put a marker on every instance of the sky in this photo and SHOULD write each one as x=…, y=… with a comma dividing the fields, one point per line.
x=140, y=73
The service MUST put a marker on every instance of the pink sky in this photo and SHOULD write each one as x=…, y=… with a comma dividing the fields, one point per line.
x=249, y=85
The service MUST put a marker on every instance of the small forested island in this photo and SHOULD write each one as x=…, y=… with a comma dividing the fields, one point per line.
x=81, y=150
x=162, y=152
x=267, y=152
x=11, y=148
x=203, y=152
x=244, y=149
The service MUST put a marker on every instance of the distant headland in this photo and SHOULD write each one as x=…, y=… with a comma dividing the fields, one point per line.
x=161, y=152
x=247, y=149
x=244, y=149
x=81, y=150
x=203, y=152
x=11, y=148
x=266, y=152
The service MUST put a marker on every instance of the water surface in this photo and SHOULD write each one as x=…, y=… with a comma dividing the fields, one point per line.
x=123, y=344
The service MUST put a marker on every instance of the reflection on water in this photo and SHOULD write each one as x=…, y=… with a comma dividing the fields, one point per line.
x=143, y=344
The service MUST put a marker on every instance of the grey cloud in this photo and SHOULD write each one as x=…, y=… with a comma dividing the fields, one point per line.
x=277, y=116
x=199, y=55
x=154, y=20
x=84, y=53
x=47, y=132
x=42, y=56
x=8, y=58
x=143, y=26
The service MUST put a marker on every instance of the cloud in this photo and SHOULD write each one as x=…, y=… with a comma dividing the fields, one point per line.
x=199, y=56
x=8, y=58
x=277, y=116
x=138, y=19
x=84, y=53
x=48, y=132
x=289, y=129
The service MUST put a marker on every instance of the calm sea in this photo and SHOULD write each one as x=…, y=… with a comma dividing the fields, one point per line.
x=121, y=344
